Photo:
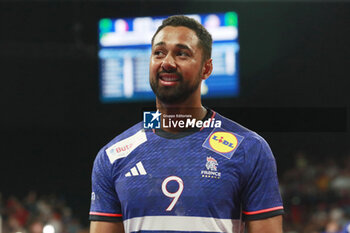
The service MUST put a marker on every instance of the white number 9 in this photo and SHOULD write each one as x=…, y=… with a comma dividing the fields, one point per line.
x=174, y=195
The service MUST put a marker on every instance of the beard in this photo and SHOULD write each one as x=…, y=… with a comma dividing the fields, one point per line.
x=174, y=94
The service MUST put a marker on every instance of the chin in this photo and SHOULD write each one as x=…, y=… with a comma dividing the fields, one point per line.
x=171, y=99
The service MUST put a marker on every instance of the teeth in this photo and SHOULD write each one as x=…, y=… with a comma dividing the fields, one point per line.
x=169, y=78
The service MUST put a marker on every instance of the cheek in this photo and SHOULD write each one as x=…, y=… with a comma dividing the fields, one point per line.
x=191, y=71
x=153, y=66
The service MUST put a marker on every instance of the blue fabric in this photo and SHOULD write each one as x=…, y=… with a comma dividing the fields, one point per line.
x=244, y=181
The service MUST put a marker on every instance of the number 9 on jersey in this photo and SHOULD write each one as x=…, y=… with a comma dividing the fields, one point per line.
x=175, y=195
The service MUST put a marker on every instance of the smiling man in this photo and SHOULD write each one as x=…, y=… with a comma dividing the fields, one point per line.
x=176, y=68
x=203, y=178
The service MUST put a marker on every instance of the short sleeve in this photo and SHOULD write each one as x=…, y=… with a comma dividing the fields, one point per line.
x=346, y=229
x=260, y=196
x=105, y=205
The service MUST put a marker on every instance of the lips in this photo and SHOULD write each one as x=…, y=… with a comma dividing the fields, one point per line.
x=167, y=79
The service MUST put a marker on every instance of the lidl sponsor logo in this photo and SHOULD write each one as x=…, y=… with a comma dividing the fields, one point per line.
x=223, y=142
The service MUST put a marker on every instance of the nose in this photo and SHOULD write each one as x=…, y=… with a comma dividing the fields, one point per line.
x=169, y=64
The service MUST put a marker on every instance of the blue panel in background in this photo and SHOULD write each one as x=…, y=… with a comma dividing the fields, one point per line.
x=125, y=48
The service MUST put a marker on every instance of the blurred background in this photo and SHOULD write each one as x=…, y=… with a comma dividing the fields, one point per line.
x=294, y=64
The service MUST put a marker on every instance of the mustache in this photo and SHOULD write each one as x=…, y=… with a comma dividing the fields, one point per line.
x=170, y=72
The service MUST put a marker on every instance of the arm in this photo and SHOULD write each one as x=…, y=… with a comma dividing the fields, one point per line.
x=262, y=203
x=106, y=227
x=105, y=210
x=268, y=225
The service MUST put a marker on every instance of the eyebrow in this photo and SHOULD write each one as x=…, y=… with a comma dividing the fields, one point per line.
x=182, y=46
x=160, y=43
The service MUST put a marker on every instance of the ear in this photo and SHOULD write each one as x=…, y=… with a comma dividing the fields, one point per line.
x=207, y=69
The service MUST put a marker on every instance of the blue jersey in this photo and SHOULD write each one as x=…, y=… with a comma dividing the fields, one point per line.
x=346, y=229
x=205, y=181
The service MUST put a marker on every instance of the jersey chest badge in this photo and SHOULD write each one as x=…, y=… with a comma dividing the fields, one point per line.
x=212, y=169
x=124, y=147
x=223, y=142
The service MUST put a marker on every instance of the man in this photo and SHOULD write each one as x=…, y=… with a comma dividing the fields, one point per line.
x=207, y=179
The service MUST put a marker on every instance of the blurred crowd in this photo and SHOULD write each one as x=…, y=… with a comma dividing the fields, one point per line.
x=316, y=194
x=34, y=214
x=315, y=191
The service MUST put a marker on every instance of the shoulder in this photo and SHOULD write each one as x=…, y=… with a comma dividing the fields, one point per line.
x=250, y=139
x=346, y=228
x=123, y=143
x=124, y=135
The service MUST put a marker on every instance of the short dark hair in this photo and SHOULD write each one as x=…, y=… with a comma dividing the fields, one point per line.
x=204, y=37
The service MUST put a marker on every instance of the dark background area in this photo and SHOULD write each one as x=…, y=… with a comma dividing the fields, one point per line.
x=294, y=71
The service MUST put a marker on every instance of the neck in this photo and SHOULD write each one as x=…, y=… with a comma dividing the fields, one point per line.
x=187, y=109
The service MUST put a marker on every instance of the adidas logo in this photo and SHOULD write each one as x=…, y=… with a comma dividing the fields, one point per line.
x=136, y=170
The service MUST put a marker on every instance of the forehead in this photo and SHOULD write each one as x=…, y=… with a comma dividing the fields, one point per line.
x=176, y=35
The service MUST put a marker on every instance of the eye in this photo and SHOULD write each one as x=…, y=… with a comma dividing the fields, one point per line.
x=158, y=53
x=183, y=54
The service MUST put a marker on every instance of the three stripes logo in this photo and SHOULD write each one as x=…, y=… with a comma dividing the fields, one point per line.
x=136, y=170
